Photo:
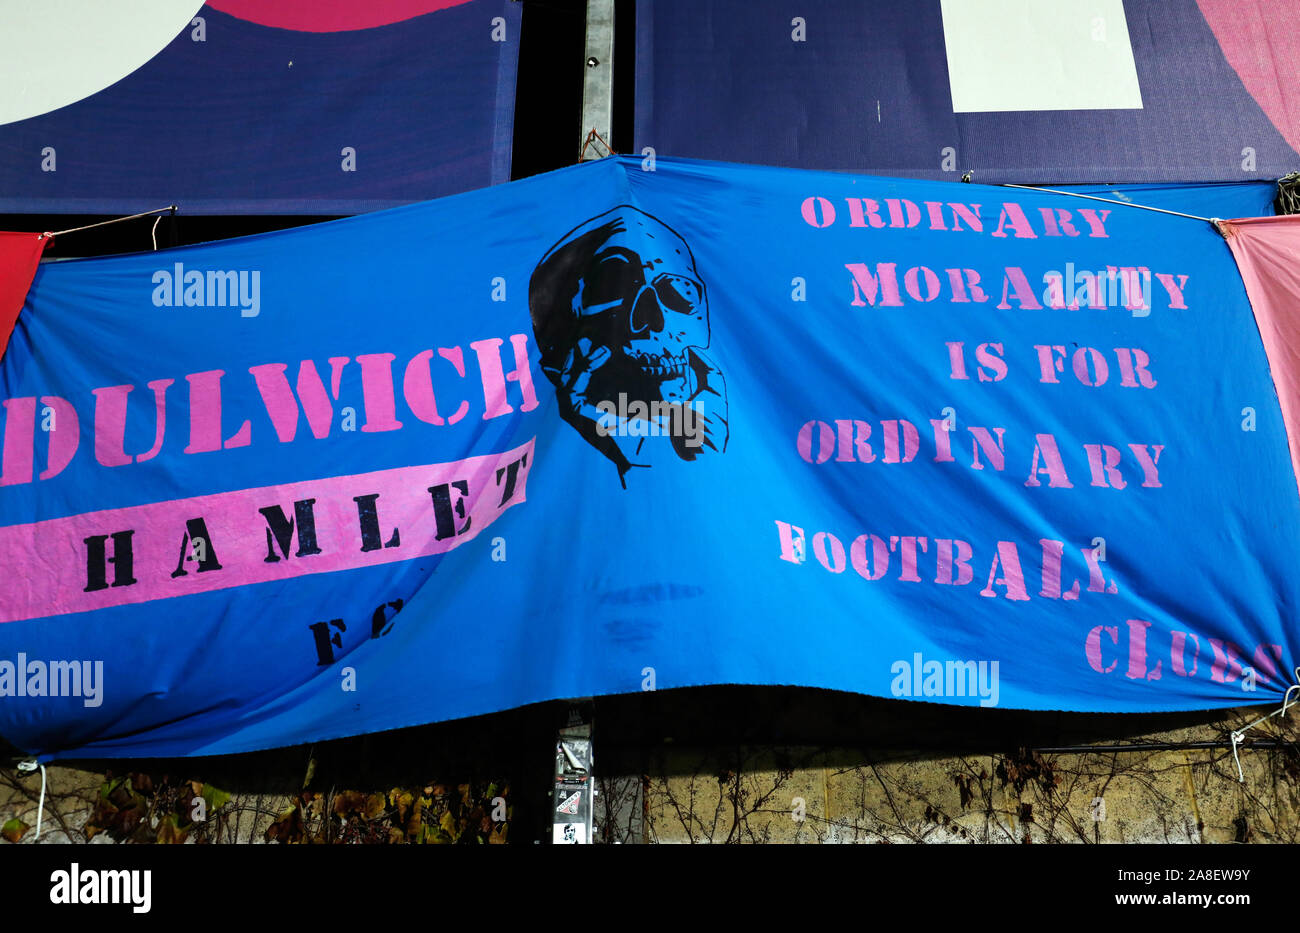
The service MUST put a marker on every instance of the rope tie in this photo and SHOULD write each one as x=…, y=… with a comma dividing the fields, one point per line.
x=1288, y=194
x=1240, y=734
x=594, y=140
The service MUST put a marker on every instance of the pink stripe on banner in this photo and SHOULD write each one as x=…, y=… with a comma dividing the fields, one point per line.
x=185, y=546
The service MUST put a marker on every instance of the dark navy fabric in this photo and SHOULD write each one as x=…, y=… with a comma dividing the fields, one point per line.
x=254, y=120
x=868, y=90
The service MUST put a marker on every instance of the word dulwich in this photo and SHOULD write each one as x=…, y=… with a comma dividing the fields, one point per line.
x=206, y=399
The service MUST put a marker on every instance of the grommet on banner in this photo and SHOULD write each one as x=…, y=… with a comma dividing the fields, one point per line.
x=1239, y=735
x=40, y=807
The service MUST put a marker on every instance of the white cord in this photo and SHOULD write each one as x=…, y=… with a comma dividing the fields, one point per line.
x=1093, y=197
x=40, y=807
x=1236, y=740
x=162, y=210
x=1240, y=734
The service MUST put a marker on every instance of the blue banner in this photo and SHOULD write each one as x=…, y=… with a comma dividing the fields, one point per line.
x=256, y=106
x=1049, y=92
x=640, y=425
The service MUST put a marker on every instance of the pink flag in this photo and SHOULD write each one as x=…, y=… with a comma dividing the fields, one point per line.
x=1267, y=250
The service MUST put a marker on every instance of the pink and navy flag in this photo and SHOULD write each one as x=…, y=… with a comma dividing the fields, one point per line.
x=240, y=107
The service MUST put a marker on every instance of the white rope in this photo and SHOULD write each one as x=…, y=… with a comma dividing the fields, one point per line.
x=1240, y=734
x=40, y=807
x=115, y=220
x=1093, y=197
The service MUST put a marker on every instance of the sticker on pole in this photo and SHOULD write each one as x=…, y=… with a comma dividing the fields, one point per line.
x=570, y=834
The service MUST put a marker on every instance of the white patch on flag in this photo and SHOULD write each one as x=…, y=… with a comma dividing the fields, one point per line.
x=1020, y=55
x=57, y=52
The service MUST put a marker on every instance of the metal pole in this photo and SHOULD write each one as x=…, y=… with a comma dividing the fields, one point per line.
x=574, y=785
x=598, y=83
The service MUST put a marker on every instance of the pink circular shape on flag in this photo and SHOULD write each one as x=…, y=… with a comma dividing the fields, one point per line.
x=328, y=15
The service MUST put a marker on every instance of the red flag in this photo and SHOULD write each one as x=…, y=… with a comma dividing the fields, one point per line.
x=19, y=255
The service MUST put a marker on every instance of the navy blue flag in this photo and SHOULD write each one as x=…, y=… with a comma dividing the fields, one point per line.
x=1043, y=92
x=632, y=426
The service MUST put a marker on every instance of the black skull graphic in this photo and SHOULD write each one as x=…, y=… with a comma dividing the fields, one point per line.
x=622, y=318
